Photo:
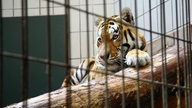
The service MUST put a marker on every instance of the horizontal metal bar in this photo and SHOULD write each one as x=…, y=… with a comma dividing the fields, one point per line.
x=35, y=59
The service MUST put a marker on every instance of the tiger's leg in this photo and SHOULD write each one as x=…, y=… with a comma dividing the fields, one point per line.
x=143, y=58
x=80, y=74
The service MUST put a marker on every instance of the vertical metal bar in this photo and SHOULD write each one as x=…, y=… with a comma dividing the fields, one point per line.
x=151, y=48
x=53, y=7
x=93, y=29
x=190, y=38
x=172, y=6
x=178, y=58
x=88, y=48
x=40, y=7
x=163, y=46
x=67, y=44
x=188, y=59
x=137, y=67
x=180, y=12
x=189, y=52
x=24, y=52
x=13, y=7
x=143, y=13
x=165, y=54
x=80, y=33
x=106, y=78
x=49, y=51
x=123, y=74
x=1, y=54
x=158, y=15
x=185, y=61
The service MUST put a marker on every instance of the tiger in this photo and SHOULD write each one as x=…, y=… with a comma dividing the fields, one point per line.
x=119, y=44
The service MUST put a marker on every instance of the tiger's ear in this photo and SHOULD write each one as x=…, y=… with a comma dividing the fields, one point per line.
x=127, y=15
x=98, y=20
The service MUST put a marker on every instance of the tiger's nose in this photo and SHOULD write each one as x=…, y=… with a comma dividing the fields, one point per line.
x=104, y=57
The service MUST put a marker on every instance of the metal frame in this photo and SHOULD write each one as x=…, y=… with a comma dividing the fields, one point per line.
x=186, y=40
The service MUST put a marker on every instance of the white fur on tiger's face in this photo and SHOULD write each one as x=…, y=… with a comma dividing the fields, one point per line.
x=119, y=45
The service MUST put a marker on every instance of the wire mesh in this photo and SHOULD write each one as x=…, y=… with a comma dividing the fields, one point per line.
x=79, y=30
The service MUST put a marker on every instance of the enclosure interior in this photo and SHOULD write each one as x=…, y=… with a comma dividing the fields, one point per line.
x=48, y=54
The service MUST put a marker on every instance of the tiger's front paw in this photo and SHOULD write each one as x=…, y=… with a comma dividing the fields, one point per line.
x=143, y=58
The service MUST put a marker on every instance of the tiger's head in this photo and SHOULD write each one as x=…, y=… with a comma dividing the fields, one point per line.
x=114, y=40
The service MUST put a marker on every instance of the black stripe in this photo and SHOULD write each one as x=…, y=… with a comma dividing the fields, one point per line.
x=82, y=67
x=131, y=35
x=126, y=45
x=76, y=75
x=115, y=15
x=72, y=82
x=87, y=71
x=125, y=34
x=89, y=65
x=133, y=46
x=142, y=47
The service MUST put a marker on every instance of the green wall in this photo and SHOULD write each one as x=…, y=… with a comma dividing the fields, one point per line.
x=37, y=47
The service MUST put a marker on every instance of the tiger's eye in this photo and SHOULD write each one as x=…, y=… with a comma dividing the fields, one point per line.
x=115, y=37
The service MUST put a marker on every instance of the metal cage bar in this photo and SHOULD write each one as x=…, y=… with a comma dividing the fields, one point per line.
x=137, y=66
x=67, y=41
x=183, y=21
x=189, y=78
x=151, y=48
x=49, y=52
x=1, y=54
x=163, y=47
x=178, y=59
x=25, y=65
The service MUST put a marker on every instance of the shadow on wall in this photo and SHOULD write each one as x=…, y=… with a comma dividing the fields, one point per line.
x=37, y=47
